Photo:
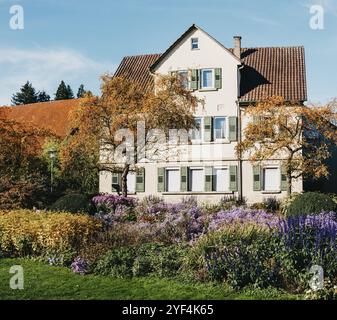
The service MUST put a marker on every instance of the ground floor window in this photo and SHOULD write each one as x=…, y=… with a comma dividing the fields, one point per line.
x=221, y=179
x=172, y=180
x=271, y=179
x=131, y=182
x=196, y=179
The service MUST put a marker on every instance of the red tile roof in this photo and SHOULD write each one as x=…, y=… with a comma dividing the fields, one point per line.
x=52, y=115
x=266, y=72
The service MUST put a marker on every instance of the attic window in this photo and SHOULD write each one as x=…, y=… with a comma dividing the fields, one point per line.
x=194, y=43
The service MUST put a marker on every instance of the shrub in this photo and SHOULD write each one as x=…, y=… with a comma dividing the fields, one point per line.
x=271, y=204
x=250, y=254
x=26, y=232
x=311, y=203
x=149, y=259
x=240, y=256
x=74, y=203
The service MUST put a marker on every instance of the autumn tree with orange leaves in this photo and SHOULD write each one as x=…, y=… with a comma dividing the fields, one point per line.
x=300, y=135
x=21, y=169
x=123, y=104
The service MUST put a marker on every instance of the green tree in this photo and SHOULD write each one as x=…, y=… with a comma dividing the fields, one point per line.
x=81, y=91
x=43, y=96
x=27, y=94
x=64, y=92
x=70, y=92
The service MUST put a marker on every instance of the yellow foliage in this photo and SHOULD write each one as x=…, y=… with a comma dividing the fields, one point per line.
x=42, y=231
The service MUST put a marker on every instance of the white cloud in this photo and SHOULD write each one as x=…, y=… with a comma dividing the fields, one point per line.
x=45, y=68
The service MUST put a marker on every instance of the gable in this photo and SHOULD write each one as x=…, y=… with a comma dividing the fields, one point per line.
x=182, y=45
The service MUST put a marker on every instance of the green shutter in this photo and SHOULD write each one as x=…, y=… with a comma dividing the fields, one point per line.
x=161, y=179
x=194, y=79
x=257, y=178
x=208, y=129
x=183, y=179
x=284, y=183
x=140, y=180
x=233, y=179
x=233, y=128
x=208, y=179
x=218, y=78
x=116, y=181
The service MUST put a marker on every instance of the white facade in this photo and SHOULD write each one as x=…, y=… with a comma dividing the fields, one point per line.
x=212, y=168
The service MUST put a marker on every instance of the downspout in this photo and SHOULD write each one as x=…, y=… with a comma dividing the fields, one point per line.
x=239, y=158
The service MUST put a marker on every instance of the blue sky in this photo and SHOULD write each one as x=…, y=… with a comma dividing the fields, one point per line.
x=78, y=40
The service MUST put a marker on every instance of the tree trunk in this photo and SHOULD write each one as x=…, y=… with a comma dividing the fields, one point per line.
x=289, y=184
x=125, y=172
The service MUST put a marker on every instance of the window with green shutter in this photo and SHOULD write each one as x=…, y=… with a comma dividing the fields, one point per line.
x=233, y=128
x=194, y=79
x=208, y=179
x=183, y=179
x=257, y=178
x=284, y=183
x=161, y=179
x=233, y=180
x=218, y=78
x=116, y=181
x=208, y=129
x=140, y=180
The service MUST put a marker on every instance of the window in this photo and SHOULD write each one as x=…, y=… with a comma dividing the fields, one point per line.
x=172, y=180
x=220, y=131
x=221, y=179
x=131, y=182
x=196, y=180
x=196, y=132
x=194, y=43
x=271, y=179
x=183, y=77
x=207, y=78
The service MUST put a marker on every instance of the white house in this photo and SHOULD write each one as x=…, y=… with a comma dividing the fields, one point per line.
x=227, y=80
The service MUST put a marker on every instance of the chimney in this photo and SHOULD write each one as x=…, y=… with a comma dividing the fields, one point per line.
x=237, y=46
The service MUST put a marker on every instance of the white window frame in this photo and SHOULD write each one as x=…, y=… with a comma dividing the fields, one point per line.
x=131, y=182
x=167, y=180
x=187, y=77
x=192, y=43
x=226, y=131
x=264, y=179
x=215, y=178
x=202, y=87
x=190, y=179
x=200, y=130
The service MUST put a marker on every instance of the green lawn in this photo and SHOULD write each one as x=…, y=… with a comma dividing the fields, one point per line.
x=45, y=282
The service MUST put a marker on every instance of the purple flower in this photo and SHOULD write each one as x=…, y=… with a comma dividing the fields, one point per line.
x=79, y=266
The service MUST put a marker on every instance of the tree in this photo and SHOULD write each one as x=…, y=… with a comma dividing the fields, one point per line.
x=70, y=92
x=43, y=96
x=64, y=92
x=122, y=106
x=81, y=91
x=301, y=135
x=27, y=94
x=23, y=176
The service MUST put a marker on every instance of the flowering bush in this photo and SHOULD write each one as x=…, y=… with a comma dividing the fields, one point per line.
x=79, y=266
x=242, y=250
x=26, y=232
x=109, y=203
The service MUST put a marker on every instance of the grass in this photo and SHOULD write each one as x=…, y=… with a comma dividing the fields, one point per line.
x=46, y=282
